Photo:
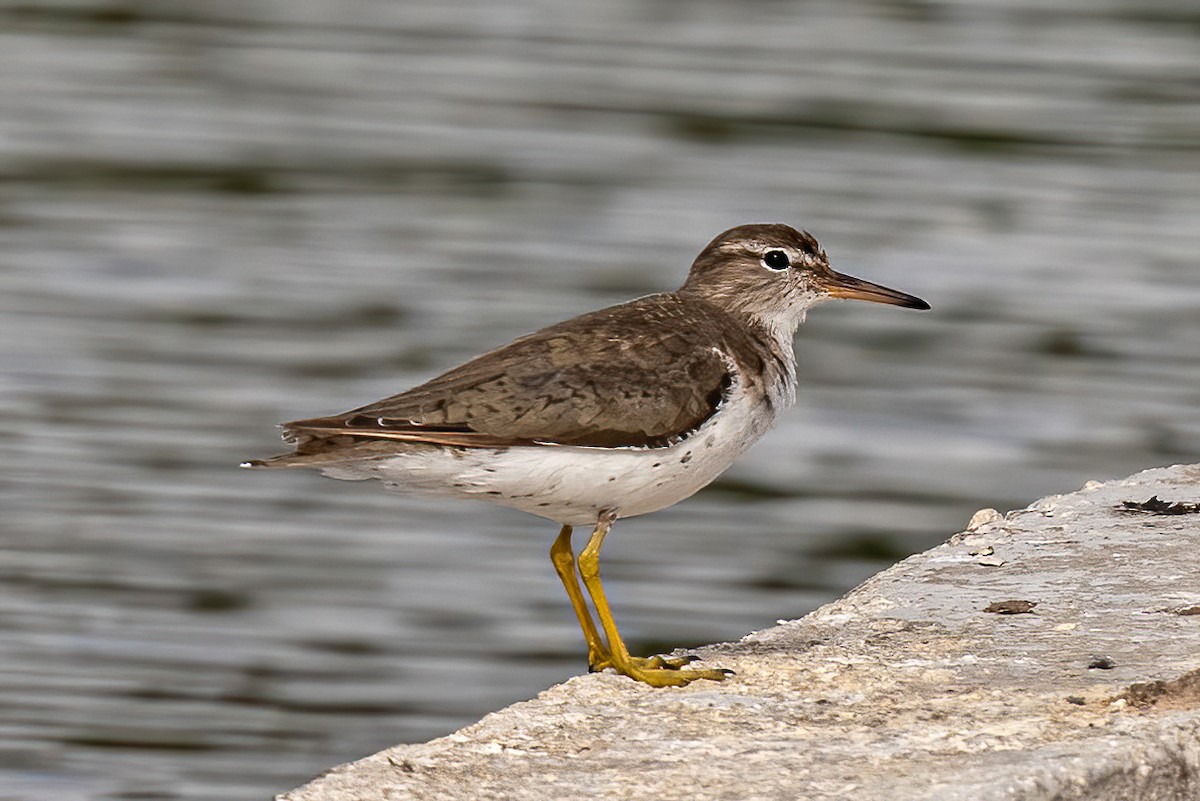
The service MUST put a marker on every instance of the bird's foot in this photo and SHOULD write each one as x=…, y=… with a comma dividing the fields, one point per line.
x=665, y=662
x=657, y=671
x=599, y=659
x=671, y=676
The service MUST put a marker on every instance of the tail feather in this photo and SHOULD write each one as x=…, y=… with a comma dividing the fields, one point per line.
x=323, y=451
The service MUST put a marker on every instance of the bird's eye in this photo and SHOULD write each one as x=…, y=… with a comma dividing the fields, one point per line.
x=776, y=260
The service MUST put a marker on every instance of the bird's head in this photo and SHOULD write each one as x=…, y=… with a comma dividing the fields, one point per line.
x=774, y=274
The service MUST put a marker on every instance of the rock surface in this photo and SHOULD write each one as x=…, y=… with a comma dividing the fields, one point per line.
x=904, y=689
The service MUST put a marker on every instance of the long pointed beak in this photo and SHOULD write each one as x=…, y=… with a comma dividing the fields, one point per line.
x=838, y=285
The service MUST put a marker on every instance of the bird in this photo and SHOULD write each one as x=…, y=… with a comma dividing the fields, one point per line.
x=609, y=415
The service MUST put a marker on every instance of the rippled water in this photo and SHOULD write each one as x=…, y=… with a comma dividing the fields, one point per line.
x=216, y=217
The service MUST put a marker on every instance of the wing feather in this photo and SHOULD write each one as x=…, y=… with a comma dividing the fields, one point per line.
x=641, y=374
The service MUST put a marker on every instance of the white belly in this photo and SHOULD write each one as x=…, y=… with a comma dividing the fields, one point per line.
x=571, y=484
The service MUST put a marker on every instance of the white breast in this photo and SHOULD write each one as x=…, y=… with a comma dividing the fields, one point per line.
x=572, y=484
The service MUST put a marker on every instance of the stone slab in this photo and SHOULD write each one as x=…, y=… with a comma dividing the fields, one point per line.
x=906, y=688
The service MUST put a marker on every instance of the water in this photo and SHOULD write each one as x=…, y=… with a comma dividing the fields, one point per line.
x=217, y=217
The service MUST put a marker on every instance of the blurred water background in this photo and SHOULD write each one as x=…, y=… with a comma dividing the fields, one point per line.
x=216, y=216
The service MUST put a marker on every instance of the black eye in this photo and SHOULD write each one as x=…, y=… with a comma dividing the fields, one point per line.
x=776, y=260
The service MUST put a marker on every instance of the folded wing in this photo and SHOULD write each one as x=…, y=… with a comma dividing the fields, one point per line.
x=596, y=380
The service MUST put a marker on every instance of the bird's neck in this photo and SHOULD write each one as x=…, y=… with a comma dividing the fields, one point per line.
x=779, y=329
x=773, y=335
x=777, y=335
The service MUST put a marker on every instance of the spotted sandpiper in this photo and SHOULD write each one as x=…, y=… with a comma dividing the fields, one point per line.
x=611, y=414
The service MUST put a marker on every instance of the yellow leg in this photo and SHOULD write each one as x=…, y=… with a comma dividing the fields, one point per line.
x=564, y=565
x=655, y=671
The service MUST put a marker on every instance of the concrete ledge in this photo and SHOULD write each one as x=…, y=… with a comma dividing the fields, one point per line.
x=904, y=689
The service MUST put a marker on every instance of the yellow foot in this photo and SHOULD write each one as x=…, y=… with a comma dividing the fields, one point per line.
x=598, y=661
x=659, y=671
x=672, y=677
x=664, y=662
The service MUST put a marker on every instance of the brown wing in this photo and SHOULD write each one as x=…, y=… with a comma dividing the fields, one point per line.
x=639, y=374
